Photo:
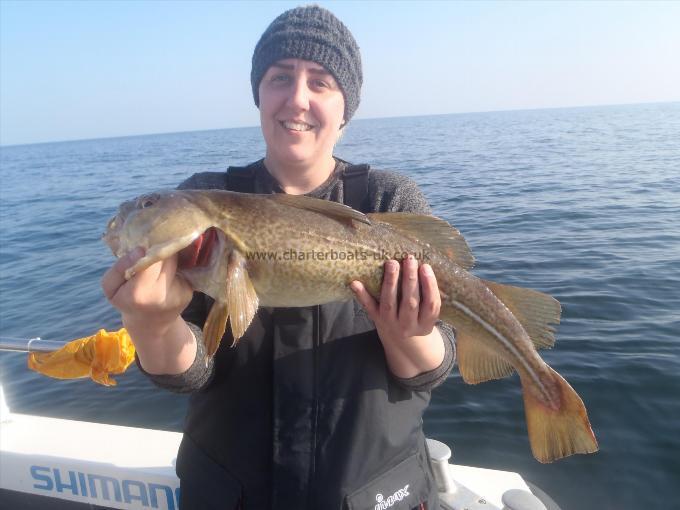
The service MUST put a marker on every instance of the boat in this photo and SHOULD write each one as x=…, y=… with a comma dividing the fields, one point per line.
x=61, y=464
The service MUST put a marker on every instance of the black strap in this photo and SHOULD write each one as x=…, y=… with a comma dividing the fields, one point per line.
x=355, y=183
x=355, y=187
x=241, y=178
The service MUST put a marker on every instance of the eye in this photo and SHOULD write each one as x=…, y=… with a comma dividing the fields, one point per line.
x=280, y=78
x=319, y=84
x=147, y=200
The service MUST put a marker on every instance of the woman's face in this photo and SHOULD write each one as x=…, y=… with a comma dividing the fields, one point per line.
x=301, y=111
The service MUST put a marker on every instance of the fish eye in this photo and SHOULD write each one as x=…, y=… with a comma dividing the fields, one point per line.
x=147, y=200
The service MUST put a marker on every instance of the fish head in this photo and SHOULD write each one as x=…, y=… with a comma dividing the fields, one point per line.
x=161, y=223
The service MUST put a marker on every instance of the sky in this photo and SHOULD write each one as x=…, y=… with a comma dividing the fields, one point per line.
x=97, y=69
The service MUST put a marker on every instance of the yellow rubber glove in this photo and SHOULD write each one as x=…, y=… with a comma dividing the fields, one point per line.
x=96, y=356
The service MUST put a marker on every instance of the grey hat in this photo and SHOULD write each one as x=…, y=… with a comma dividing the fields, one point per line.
x=315, y=34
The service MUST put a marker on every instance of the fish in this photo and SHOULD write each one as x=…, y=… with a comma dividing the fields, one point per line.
x=280, y=250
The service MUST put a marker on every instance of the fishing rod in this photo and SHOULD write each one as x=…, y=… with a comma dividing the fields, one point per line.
x=36, y=344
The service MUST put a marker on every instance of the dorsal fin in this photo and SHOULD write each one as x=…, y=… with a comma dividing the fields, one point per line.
x=534, y=310
x=334, y=210
x=433, y=231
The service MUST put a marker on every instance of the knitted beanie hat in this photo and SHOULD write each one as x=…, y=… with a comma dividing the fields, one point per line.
x=315, y=34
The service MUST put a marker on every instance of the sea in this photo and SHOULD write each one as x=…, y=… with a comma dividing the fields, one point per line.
x=581, y=203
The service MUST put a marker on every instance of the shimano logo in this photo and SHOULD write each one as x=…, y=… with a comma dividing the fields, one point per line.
x=97, y=488
x=385, y=503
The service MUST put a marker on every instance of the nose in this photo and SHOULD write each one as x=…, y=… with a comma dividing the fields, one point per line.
x=299, y=94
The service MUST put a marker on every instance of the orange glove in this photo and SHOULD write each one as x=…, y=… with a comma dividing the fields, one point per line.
x=96, y=356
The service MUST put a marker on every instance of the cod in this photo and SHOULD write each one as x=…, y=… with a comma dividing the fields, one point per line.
x=247, y=250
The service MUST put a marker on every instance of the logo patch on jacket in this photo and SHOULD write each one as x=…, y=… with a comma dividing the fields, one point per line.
x=385, y=503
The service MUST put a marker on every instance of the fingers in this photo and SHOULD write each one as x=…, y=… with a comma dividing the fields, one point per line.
x=389, y=290
x=410, y=292
x=156, y=289
x=114, y=278
x=416, y=310
x=178, y=288
x=430, y=298
x=365, y=299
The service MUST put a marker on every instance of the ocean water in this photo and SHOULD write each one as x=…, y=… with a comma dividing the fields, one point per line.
x=581, y=203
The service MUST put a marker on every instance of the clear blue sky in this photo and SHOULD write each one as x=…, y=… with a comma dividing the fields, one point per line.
x=74, y=70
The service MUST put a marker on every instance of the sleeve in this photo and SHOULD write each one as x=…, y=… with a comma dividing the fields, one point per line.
x=430, y=380
x=397, y=193
x=196, y=377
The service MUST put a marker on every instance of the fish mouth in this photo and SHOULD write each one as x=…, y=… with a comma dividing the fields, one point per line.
x=198, y=253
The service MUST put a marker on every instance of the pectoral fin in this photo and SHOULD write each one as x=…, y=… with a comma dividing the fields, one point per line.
x=239, y=306
x=215, y=326
x=241, y=296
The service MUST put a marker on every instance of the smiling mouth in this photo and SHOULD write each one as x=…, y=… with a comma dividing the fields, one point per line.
x=296, y=126
x=197, y=254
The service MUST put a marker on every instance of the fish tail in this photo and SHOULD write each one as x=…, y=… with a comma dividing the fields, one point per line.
x=560, y=428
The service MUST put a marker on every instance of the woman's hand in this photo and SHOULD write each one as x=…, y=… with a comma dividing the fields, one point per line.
x=406, y=325
x=154, y=297
x=150, y=304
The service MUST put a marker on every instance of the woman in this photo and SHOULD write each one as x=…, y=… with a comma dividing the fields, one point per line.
x=317, y=407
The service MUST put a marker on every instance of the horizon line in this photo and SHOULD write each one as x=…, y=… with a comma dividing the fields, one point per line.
x=115, y=137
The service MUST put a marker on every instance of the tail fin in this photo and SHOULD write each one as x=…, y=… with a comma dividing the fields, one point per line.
x=557, y=433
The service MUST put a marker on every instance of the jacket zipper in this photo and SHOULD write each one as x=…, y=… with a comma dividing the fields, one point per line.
x=316, y=343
